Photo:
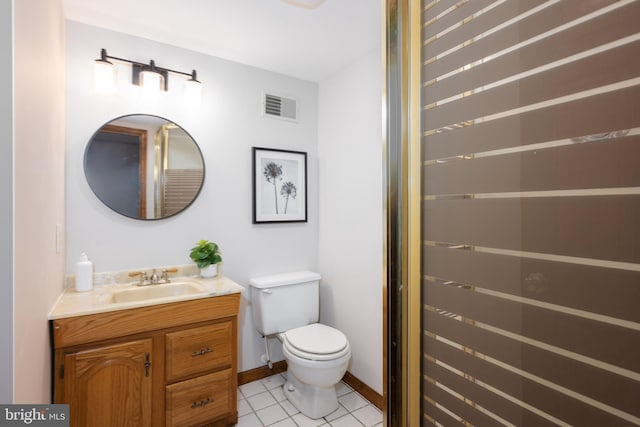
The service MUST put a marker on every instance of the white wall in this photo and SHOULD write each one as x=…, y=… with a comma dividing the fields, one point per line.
x=350, y=251
x=6, y=202
x=39, y=125
x=227, y=126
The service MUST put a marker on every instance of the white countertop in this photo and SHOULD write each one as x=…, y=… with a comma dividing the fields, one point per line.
x=99, y=299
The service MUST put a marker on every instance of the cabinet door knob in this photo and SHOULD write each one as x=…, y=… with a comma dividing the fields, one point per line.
x=201, y=352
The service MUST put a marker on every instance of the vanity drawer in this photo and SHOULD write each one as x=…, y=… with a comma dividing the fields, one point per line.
x=195, y=350
x=200, y=400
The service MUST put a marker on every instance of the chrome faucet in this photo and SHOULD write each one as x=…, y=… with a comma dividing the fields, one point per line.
x=144, y=280
x=165, y=274
x=154, y=278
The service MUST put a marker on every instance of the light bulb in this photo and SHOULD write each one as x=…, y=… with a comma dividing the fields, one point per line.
x=151, y=83
x=192, y=93
x=104, y=74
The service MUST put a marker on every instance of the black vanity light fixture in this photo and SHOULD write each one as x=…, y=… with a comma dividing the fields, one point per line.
x=150, y=77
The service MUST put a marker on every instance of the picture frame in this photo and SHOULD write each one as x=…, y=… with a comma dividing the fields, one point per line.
x=279, y=185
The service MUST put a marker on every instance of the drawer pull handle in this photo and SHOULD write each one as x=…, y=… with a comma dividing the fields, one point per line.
x=201, y=403
x=201, y=352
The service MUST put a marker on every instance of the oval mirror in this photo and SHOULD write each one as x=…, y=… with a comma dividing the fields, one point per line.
x=144, y=166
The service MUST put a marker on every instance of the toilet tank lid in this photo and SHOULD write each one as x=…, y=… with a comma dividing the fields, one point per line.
x=284, y=279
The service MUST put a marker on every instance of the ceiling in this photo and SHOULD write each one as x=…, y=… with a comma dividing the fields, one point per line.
x=275, y=35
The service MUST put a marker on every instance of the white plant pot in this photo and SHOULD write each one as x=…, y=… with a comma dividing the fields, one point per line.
x=209, y=271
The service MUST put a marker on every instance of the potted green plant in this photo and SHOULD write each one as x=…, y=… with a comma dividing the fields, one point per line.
x=207, y=256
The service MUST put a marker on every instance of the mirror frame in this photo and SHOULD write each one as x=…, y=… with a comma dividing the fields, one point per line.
x=160, y=157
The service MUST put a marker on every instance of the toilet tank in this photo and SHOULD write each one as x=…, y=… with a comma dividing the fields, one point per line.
x=285, y=301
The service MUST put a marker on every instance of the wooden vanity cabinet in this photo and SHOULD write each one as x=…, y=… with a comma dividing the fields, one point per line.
x=170, y=364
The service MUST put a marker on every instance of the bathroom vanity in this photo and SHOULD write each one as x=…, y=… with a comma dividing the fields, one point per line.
x=150, y=362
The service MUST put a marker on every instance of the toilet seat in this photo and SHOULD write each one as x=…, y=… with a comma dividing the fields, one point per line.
x=316, y=342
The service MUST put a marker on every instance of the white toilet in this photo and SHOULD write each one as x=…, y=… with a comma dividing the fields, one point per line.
x=287, y=305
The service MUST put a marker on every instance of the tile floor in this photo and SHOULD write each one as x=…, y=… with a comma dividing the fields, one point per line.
x=262, y=403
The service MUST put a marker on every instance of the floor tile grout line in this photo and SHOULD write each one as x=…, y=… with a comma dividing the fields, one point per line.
x=325, y=422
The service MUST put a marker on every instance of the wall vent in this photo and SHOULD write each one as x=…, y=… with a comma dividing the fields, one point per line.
x=279, y=107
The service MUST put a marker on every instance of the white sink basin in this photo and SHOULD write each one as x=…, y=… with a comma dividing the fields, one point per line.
x=142, y=293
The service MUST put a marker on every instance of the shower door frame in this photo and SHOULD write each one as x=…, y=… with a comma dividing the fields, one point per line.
x=402, y=301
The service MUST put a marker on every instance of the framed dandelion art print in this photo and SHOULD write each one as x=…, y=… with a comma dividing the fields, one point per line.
x=279, y=185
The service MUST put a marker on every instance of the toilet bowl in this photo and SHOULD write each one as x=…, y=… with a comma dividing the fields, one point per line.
x=287, y=306
x=317, y=358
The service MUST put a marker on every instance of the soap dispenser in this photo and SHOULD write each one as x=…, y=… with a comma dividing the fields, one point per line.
x=84, y=274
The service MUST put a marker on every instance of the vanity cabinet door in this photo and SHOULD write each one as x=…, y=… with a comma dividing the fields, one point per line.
x=109, y=385
x=197, y=350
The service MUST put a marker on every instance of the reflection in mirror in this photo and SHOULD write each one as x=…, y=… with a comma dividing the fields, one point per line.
x=144, y=166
